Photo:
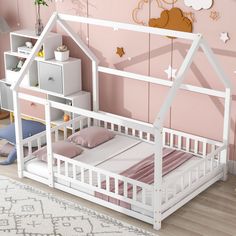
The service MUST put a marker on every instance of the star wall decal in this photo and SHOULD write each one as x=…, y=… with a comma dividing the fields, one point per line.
x=120, y=51
x=215, y=15
x=171, y=73
x=224, y=36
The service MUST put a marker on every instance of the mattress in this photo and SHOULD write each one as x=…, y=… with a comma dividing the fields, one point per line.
x=94, y=156
x=120, y=162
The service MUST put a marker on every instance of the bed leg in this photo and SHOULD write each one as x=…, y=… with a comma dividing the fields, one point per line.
x=157, y=225
x=20, y=174
x=224, y=178
x=224, y=160
x=225, y=173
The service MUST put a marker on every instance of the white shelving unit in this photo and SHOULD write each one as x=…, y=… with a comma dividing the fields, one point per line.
x=47, y=78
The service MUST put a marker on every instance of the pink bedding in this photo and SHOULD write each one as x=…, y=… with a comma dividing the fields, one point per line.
x=144, y=172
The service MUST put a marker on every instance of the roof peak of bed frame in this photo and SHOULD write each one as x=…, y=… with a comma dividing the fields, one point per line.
x=197, y=42
x=62, y=18
x=127, y=26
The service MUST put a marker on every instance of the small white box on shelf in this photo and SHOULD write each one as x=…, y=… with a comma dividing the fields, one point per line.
x=24, y=50
x=62, y=56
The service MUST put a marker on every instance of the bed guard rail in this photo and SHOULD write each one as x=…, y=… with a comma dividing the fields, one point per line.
x=118, y=188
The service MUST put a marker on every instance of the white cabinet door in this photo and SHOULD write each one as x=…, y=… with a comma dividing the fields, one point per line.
x=50, y=77
x=6, y=97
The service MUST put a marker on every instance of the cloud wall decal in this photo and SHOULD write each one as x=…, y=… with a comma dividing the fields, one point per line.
x=199, y=4
x=173, y=19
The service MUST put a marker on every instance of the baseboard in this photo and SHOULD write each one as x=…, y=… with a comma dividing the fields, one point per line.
x=232, y=167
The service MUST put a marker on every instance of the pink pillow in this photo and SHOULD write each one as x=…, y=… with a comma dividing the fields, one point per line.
x=91, y=137
x=62, y=148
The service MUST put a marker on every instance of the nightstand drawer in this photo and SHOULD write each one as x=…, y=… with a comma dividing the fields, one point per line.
x=6, y=97
x=50, y=77
x=32, y=109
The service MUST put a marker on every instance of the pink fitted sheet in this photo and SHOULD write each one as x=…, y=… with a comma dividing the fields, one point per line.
x=143, y=171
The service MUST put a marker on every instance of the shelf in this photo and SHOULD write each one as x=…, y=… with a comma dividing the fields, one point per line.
x=5, y=81
x=16, y=54
x=59, y=122
x=41, y=59
x=27, y=33
x=37, y=89
x=51, y=42
x=22, y=55
x=53, y=61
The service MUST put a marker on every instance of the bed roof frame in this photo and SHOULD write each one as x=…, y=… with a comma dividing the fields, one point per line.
x=197, y=42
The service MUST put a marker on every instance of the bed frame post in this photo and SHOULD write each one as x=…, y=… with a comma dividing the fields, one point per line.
x=95, y=86
x=226, y=131
x=15, y=88
x=19, y=135
x=158, y=178
x=179, y=80
x=215, y=64
x=228, y=98
x=49, y=144
x=61, y=21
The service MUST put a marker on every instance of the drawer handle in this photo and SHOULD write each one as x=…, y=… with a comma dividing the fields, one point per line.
x=50, y=79
x=32, y=104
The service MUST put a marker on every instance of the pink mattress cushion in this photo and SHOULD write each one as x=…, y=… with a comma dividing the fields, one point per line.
x=91, y=137
x=143, y=171
x=62, y=148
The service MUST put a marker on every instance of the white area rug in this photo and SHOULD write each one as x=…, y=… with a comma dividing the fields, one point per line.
x=26, y=211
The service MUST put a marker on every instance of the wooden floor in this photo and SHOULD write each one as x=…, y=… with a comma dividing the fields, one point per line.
x=212, y=213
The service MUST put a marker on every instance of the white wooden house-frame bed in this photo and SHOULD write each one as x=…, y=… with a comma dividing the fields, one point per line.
x=167, y=193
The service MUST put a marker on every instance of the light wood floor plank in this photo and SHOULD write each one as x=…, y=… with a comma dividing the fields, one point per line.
x=208, y=211
x=175, y=230
x=195, y=226
x=220, y=224
x=221, y=206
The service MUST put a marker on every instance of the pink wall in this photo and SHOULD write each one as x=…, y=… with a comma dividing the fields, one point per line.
x=147, y=55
